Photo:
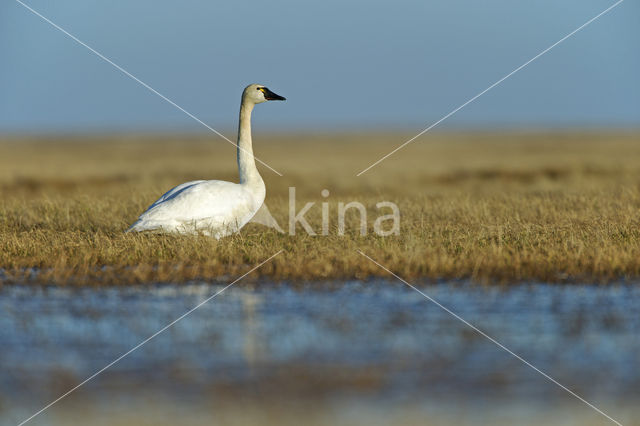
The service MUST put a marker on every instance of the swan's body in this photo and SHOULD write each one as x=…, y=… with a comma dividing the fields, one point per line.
x=214, y=207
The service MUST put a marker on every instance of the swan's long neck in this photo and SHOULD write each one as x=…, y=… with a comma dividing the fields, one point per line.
x=246, y=163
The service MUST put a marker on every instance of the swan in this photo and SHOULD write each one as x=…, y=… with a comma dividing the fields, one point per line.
x=214, y=207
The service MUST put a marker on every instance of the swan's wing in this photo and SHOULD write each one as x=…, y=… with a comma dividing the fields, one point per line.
x=173, y=192
x=220, y=203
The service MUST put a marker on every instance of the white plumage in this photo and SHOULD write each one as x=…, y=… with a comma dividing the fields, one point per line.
x=214, y=207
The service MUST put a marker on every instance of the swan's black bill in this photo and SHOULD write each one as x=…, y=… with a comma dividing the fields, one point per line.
x=270, y=96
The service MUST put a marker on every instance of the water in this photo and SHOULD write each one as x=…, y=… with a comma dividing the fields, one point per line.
x=347, y=353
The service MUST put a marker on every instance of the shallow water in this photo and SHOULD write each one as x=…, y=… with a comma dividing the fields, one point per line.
x=349, y=353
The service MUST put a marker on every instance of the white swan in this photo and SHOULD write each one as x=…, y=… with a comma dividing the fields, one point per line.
x=214, y=207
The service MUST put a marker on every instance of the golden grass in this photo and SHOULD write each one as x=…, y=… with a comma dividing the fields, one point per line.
x=491, y=207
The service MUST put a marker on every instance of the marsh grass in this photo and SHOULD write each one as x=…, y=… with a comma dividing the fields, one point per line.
x=491, y=207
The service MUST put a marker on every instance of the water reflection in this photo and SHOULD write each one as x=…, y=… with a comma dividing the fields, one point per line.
x=320, y=348
x=253, y=345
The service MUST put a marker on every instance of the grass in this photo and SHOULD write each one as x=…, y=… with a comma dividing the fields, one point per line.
x=491, y=207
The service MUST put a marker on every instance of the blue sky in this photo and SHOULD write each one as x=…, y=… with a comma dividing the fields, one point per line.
x=341, y=65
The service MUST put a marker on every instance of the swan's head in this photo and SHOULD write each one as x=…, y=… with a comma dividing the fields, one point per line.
x=257, y=93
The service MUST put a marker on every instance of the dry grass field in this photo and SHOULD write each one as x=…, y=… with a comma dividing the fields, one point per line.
x=508, y=207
